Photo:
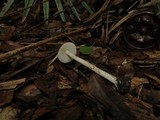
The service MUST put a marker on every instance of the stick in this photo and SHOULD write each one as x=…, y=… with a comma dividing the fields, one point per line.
x=33, y=45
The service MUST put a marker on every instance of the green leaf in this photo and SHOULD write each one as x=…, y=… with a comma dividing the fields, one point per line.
x=70, y=3
x=6, y=7
x=28, y=5
x=60, y=10
x=86, y=50
x=86, y=6
x=46, y=10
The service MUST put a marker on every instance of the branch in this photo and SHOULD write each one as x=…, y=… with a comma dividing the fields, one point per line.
x=33, y=45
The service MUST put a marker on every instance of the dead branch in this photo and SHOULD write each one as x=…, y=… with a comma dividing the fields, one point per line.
x=33, y=45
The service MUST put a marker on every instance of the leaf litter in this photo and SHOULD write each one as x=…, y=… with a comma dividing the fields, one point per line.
x=31, y=88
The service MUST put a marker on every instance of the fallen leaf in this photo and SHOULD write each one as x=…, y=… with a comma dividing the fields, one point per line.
x=47, y=83
x=42, y=110
x=30, y=90
x=136, y=82
x=64, y=84
x=6, y=97
x=7, y=32
x=126, y=70
x=9, y=113
x=153, y=54
x=86, y=50
x=50, y=68
x=153, y=80
x=11, y=84
x=150, y=95
x=67, y=113
x=111, y=101
x=98, y=51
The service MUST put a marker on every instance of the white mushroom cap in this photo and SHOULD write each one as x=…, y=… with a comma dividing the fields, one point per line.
x=62, y=56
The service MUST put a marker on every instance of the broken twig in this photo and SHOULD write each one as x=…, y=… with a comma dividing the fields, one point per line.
x=33, y=45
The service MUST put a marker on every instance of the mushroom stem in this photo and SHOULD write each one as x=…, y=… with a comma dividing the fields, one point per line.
x=102, y=73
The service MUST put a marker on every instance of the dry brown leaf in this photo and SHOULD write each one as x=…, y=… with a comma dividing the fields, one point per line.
x=152, y=96
x=64, y=84
x=47, y=84
x=108, y=98
x=11, y=84
x=70, y=113
x=6, y=97
x=136, y=82
x=30, y=90
x=126, y=69
x=9, y=113
x=50, y=68
x=84, y=88
x=98, y=51
x=153, y=54
x=153, y=80
x=7, y=32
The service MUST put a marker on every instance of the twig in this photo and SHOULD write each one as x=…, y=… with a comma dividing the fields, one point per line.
x=22, y=49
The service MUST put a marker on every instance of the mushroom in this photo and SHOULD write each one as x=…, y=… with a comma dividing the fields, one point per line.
x=67, y=53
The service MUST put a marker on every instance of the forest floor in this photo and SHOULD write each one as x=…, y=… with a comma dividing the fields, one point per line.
x=120, y=40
